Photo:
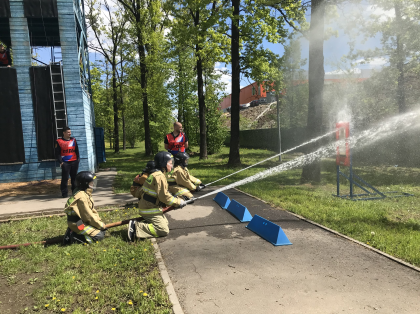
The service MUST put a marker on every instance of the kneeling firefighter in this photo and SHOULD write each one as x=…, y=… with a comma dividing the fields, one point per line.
x=181, y=182
x=136, y=188
x=84, y=223
x=155, y=197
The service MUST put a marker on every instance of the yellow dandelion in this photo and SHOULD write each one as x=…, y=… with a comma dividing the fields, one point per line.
x=47, y=305
x=74, y=277
x=96, y=298
x=97, y=241
x=97, y=291
x=133, y=259
x=141, y=291
x=115, y=265
x=130, y=302
x=104, y=250
x=145, y=294
x=54, y=298
x=145, y=250
x=85, y=243
x=63, y=309
x=113, y=309
x=58, y=300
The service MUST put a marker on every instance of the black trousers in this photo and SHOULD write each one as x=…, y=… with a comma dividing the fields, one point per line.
x=68, y=169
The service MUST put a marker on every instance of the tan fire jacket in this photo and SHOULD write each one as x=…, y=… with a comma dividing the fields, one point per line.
x=136, y=189
x=81, y=205
x=157, y=187
x=182, y=177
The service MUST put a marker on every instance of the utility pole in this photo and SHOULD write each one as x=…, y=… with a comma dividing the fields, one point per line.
x=278, y=122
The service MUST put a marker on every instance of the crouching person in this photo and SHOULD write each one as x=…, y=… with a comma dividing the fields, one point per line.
x=84, y=223
x=155, y=197
x=181, y=182
x=136, y=188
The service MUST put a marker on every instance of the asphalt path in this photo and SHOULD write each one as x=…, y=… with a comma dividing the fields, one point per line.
x=218, y=266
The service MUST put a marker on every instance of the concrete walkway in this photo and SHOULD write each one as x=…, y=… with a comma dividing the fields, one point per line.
x=218, y=266
x=103, y=195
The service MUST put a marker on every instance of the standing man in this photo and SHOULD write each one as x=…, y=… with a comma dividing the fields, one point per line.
x=67, y=153
x=176, y=141
x=5, y=60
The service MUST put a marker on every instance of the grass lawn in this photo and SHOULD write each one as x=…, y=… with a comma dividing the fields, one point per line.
x=391, y=225
x=112, y=276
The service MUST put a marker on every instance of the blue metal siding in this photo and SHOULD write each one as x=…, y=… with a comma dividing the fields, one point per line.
x=79, y=104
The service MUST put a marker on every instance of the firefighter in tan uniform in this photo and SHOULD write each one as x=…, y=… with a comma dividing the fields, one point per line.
x=155, y=197
x=180, y=180
x=84, y=223
x=136, y=188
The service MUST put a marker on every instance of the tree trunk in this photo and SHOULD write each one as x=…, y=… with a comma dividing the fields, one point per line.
x=234, y=156
x=312, y=172
x=143, y=83
x=115, y=103
x=201, y=106
x=400, y=61
x=143, y=78
x=124, y=134
x=200, y=93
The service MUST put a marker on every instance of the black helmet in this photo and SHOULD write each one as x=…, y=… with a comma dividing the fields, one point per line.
x=85, y=180
x=149, y=167
x=162, y=158
x=181, y=159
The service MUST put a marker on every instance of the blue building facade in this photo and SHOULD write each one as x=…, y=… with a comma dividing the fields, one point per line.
x=63, y=26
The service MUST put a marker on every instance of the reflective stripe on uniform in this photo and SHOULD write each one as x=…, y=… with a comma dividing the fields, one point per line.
x=153, y=231
x=70, y=201
x=171, y=201
x=182, y=192
x=85, y=232
x=170, y=179
x=149, y=191
x=197, y=182
x=150, y=211
x=70, y=212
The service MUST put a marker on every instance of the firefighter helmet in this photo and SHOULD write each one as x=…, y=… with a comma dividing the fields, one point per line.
x=85, y=180
x=181, y=159
x=162, y=159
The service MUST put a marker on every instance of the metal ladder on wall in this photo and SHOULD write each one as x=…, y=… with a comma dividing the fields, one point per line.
x=59, y=97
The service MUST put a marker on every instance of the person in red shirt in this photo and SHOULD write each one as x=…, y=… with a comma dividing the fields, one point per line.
x=177, y=141
x=5, y=60
x=67, y=153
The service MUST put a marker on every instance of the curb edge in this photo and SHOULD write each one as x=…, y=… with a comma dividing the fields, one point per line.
x=173, y=298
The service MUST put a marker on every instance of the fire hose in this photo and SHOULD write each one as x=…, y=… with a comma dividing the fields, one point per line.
x=108, y=226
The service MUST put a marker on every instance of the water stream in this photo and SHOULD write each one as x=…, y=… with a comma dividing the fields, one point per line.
x=388, y=127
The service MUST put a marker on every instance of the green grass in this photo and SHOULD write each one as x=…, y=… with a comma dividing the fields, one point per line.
x=391, y=225
x=112, y=276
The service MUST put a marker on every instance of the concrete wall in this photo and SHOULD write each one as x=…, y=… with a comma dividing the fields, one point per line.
x=400, y=149
x=269, y=138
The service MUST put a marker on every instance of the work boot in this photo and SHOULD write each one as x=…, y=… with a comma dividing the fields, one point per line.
x=131, y=231
x=67, y=239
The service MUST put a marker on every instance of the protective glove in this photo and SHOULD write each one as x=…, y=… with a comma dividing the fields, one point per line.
x=182, y=204
x=199, y=188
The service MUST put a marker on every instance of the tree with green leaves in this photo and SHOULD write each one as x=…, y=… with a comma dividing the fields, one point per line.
x=199, y=25
x=109, y=32
x=397, y=24
x=147, y=22
x=251, y=23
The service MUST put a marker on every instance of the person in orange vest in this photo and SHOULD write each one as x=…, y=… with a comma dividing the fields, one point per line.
x=176, y=141
x=5, y=60
x=67, y=153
